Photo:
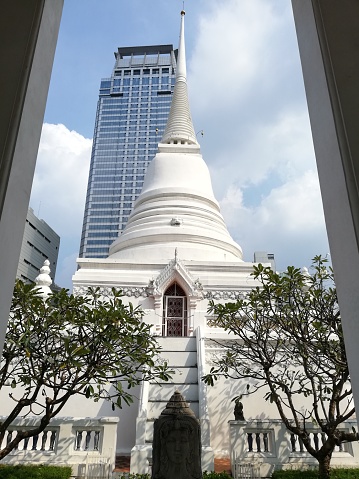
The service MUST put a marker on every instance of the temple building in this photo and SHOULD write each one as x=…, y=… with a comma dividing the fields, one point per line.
x=174, y=255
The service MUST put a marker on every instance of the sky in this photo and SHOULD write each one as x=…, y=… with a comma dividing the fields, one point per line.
x=246, y=94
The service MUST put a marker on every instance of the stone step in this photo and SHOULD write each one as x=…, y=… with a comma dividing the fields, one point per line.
x=154, y=408
x=164, y=392
x=183, y=375
x=177, y=344
x=180, y=358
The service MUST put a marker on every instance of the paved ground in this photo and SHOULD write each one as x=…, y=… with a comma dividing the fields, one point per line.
x=122, y=464
x=220, y=464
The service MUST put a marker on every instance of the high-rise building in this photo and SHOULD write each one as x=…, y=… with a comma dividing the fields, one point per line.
x=39, y=243
x=264, y=257
x=132, y=112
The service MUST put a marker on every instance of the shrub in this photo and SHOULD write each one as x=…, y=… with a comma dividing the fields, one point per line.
x=297, y=474
x=35, y=472
x=334, y=474
x=206, y=475
x=216, y=475
x=127, y=475
x=344, y=473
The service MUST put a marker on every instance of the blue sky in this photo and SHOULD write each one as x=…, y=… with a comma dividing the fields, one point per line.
x=246, y=93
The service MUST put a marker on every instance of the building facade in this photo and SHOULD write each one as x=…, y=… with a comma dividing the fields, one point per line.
x=264, y=257
x=39, y=243
x=131, y=115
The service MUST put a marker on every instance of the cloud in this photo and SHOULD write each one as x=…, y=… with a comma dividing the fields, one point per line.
x=289, y=221
x=247, y=92
x=59, y=187
x=59, y=191
x=229, y=51
x=247, y=95
x=281, y=148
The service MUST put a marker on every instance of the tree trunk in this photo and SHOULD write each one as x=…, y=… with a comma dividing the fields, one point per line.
x=324, y=467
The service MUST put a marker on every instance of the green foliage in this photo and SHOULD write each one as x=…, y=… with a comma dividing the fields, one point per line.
x=344, y=473
x=216, y=475
x=290, y=344
x=127, y=475
x=92, y=345
x=334, y=474
x=206, y=475
x=284, y=474
x=35, y=472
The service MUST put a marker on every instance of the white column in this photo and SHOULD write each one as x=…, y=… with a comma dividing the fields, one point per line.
x=328, y=37
x=28, y=36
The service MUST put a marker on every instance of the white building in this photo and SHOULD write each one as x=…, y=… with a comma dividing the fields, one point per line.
x=40, y=242
x=174, y=255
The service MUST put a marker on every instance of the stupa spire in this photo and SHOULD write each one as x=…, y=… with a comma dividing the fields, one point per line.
x=179, y=128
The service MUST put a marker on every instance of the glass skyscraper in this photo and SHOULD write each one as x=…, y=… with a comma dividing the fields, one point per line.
x=131, y=116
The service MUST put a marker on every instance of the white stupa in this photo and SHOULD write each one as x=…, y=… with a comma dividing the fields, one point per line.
x=177, y=207
x=174, y=255
x=176, y=211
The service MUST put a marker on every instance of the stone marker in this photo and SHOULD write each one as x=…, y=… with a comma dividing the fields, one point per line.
x=176, y=450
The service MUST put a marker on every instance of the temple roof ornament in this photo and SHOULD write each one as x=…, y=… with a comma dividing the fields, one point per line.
x=43, y=280
x=179, y=128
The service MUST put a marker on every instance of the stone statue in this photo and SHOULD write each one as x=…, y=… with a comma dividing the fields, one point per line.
x=176, y=450
x=238, y=410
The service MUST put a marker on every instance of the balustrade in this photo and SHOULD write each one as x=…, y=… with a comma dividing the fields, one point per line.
x=316, y=440
x=87, y=444
x=87, y=440
x=258, y=441
x=44, y=441
x=268, y=444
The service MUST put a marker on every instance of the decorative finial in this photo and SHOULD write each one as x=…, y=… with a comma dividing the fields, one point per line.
x=43, y=280
x=177, y=406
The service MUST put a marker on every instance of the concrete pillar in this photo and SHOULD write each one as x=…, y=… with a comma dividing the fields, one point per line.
x=28, y=36
x=328, y=38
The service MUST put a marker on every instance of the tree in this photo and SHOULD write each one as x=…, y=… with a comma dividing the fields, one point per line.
x=71, y=345
x=290, y=343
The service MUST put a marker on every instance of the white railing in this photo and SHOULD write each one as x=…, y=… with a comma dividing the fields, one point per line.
x=46, y=441
x=316, y=439
x=86, y=444
x=245, y=471
x=96, y=467
x=268, y=445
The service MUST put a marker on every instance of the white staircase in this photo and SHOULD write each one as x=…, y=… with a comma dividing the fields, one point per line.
x=181, y=355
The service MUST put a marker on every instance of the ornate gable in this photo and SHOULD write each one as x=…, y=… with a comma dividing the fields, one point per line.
x=175, y=271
